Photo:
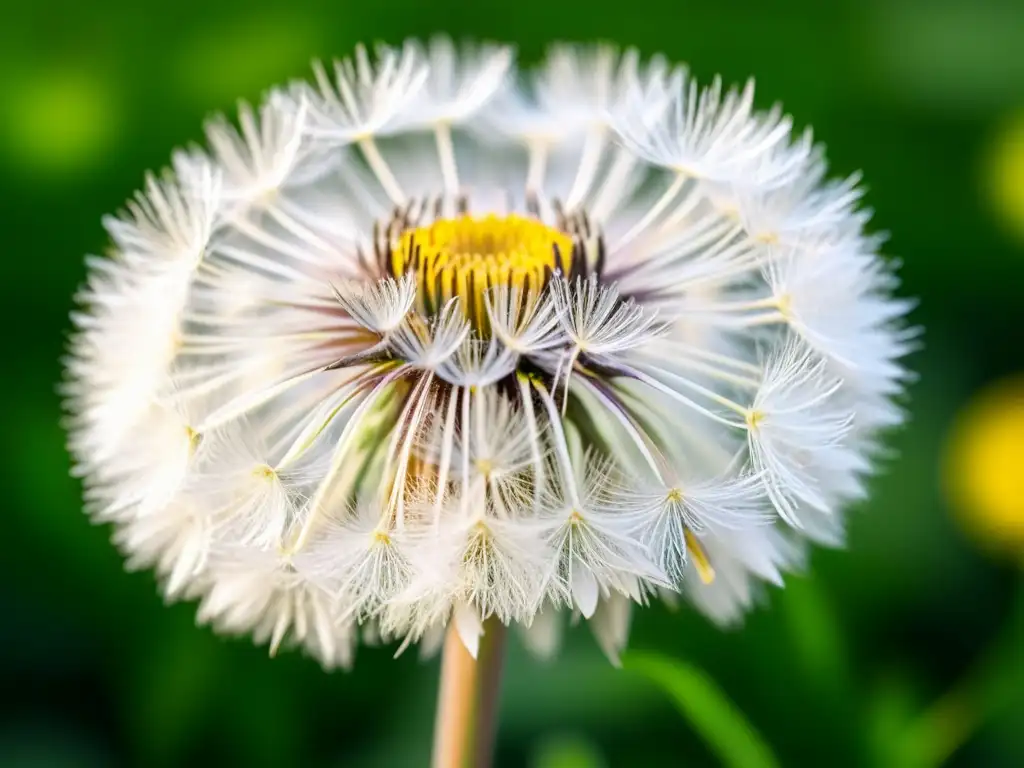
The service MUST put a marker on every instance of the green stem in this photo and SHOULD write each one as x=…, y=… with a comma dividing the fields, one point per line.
x=467, y=700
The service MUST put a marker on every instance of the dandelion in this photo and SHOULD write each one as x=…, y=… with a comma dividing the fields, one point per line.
x=435, y=348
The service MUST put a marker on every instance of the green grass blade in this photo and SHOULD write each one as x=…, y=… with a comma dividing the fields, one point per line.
x=718, y=721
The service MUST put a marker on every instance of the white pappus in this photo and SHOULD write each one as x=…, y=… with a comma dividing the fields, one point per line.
x=438, y=340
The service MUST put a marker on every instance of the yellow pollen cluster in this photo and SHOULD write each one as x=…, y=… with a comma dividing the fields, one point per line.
x=264, y=472
x=467, y=256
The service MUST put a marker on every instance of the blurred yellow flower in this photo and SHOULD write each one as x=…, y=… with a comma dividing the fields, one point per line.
x=1005, y=174
x=984, y=468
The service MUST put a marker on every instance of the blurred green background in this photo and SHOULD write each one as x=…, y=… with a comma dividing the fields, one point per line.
x=905, y=650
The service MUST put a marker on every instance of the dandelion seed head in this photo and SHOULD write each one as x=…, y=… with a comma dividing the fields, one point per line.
x=438, y=340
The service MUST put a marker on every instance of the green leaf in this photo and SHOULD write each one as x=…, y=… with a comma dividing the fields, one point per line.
x=713, y=716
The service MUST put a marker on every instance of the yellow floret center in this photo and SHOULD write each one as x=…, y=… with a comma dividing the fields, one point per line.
x=467, y=256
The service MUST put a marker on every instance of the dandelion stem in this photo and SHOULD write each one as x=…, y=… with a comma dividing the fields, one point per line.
x=467, y=700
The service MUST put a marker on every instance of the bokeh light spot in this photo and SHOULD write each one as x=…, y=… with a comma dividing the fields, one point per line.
x=61, y=121
x=951, y=55
x=1005, y=175
x=567, y=751
x=225, y=63
x=984, y=470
